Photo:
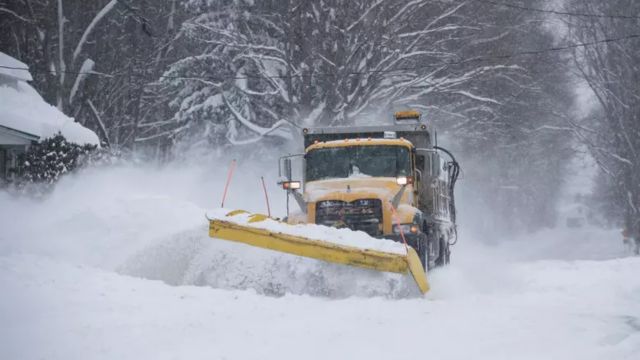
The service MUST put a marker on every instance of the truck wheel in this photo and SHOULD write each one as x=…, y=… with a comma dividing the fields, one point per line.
x=423, y=251
x=430, y=256
x=444, y=253
x=432, y=260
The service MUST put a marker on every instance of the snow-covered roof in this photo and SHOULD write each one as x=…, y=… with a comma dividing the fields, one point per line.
x=24, y=110
x=13, y=71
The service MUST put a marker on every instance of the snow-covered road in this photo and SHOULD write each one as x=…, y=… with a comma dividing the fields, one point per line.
x=551, y=310
x=76, y=283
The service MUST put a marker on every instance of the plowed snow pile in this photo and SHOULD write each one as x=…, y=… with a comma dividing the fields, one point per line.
x=76, y=271
x=192, y=258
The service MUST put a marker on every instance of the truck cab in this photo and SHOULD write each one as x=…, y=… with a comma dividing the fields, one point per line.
x=388, y=181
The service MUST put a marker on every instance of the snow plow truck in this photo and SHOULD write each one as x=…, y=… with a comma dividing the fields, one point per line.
x=392, y=182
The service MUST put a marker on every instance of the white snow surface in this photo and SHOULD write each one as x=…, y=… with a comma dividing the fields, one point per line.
x=346, y=237
x=15, y=68
x=23, y=109
x=116, y=264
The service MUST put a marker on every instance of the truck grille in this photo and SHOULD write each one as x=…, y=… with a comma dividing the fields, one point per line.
x=364, y=214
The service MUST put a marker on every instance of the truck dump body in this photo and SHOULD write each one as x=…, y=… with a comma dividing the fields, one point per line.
x=420, y=135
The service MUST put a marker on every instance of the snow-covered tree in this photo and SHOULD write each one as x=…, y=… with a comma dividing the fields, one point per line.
x=611, y=71
x=266, y=68
x=510, y=126
x=93, y=59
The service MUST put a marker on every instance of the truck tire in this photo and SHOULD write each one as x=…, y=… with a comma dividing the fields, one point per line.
x=423, y=251
x=444, y=253
x=430, y=255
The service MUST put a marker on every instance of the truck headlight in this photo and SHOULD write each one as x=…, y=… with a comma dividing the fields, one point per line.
x=406, y=229
x=404, y=180
x=291, y=185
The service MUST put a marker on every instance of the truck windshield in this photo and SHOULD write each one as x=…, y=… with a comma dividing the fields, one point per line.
x=358, y=161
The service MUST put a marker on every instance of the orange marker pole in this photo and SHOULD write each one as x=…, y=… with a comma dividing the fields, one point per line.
x=226, y=185
x=395, y=215
x=266, y=196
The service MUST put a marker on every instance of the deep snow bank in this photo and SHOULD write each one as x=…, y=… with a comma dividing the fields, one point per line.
x=192, y=258
x=102, y=216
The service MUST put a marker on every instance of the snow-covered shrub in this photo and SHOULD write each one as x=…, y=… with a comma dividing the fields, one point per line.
x=45, y=162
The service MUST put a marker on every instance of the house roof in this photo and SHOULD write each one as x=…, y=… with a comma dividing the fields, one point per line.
x=14, y=68
x=18, y=133
x=23, y=110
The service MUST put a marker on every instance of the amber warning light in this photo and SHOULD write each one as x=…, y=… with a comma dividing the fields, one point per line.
x=407, y=115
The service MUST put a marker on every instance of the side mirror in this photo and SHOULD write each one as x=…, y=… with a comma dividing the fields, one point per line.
x=435, y=165
x=287, y=168
x=290, y=186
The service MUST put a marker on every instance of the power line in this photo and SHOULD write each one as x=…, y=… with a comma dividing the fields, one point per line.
x=354, y=73
x=561, y=13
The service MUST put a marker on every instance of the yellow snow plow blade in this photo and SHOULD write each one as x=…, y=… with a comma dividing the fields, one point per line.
x=321, y=250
